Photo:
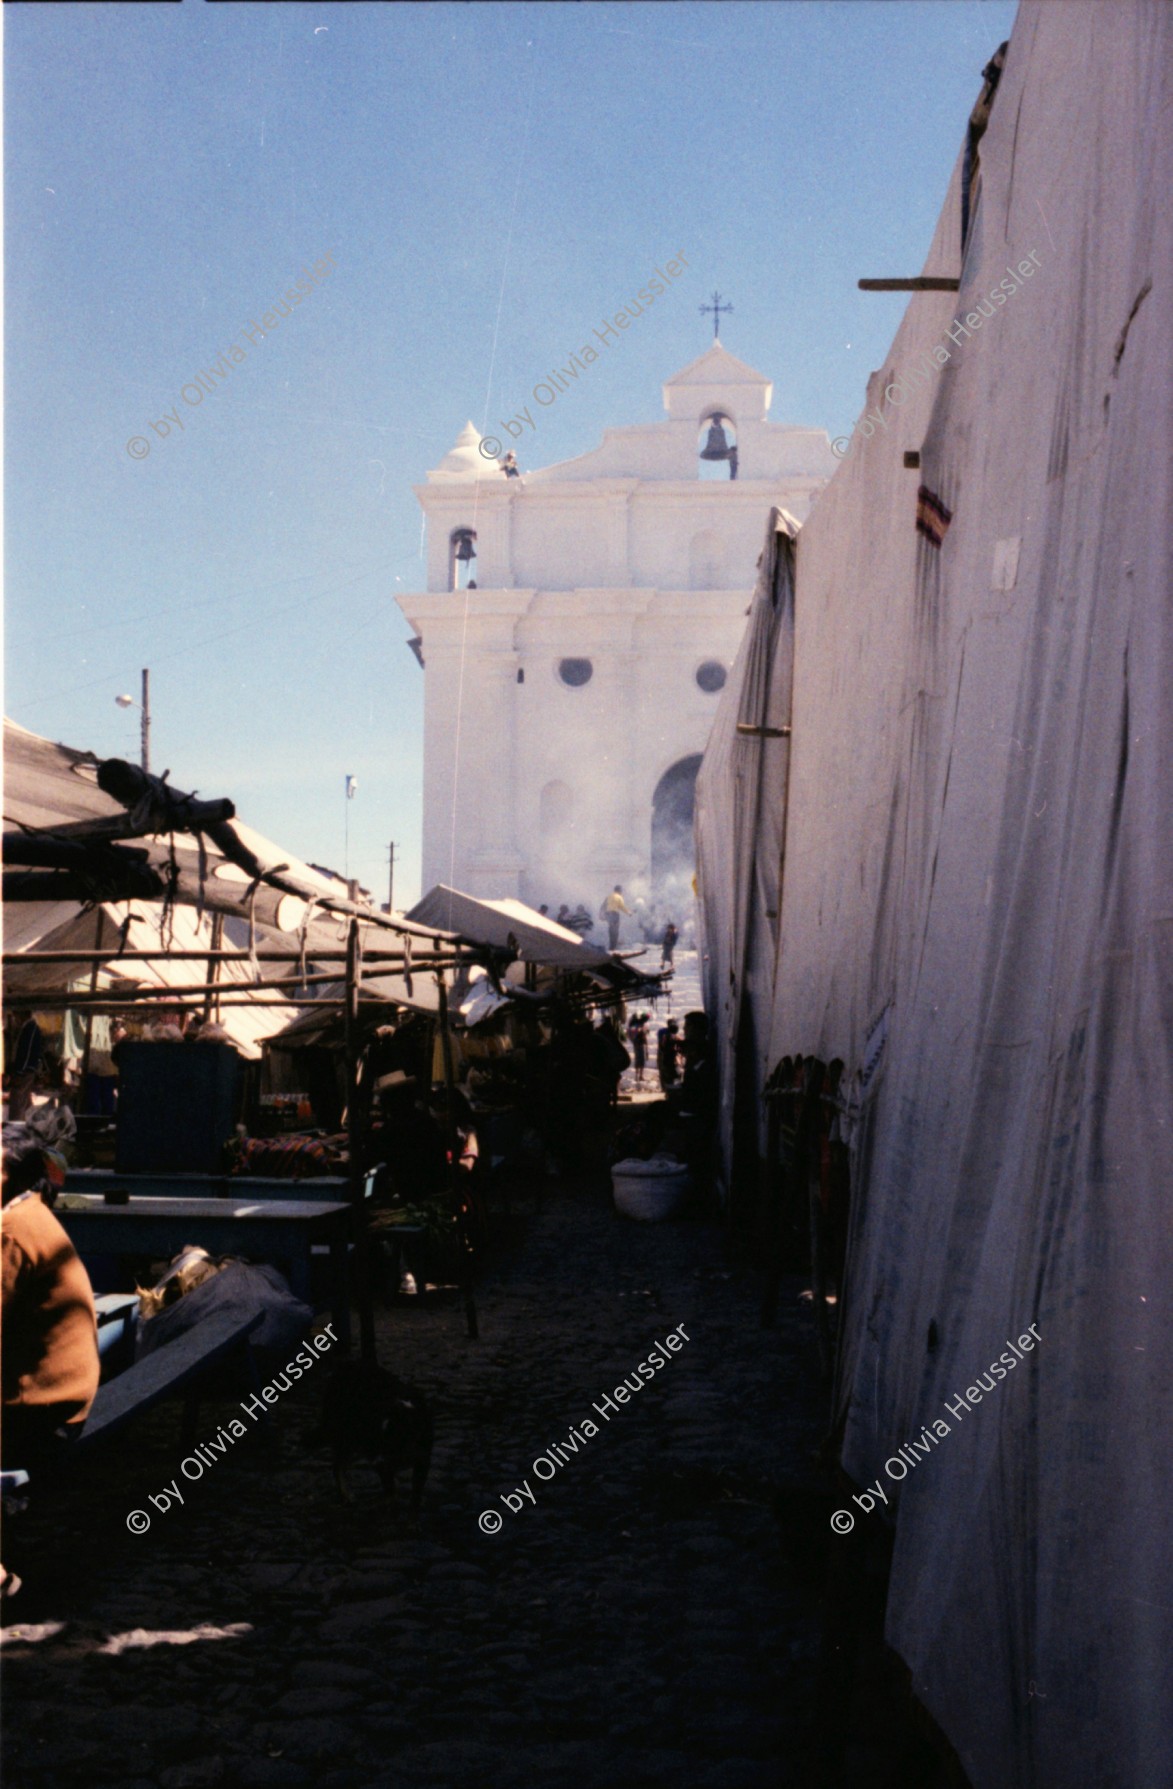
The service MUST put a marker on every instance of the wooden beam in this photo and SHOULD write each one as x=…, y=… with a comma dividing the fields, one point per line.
x=197, y=816
x=200, y=990
x=126, y=882
x=13, y=959
x=189, y=990
x=925, y=282
x=51, y=1003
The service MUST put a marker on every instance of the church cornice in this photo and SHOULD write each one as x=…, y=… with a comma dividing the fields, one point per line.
x=582, y=490
x=490, y=617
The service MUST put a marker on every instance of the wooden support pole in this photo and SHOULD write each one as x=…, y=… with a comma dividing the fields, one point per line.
x=213, y=960
x=146, y=720
x=355, y=1148
x=88, y=1045
x=453, y=1155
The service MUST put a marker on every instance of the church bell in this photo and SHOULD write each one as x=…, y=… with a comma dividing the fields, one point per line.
x=465, y=549
x=716, y=447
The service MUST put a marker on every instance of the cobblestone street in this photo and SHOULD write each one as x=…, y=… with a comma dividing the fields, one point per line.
x=637, y=1624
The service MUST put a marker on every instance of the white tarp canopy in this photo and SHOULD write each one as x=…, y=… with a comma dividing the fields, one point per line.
x=505, y=925
x=58, y=925
x=979, y=857
x=47, y=785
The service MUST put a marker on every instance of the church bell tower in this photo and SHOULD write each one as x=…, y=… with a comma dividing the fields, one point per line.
x=579, y=623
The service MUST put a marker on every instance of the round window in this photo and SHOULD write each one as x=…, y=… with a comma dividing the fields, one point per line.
x=575, y=671
x=711, y=676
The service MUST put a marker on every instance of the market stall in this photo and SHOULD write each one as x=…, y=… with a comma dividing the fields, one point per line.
x=136, y=901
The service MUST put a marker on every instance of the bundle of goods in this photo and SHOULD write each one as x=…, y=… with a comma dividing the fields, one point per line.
x=284, y=1158
x=197, y=1286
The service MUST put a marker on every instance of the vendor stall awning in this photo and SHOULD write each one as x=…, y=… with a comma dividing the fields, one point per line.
x=505, y=925
x=98, y=829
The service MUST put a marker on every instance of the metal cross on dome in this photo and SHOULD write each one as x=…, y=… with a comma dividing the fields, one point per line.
x=716, y=307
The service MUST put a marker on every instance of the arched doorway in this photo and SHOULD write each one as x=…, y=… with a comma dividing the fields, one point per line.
x=673, y=851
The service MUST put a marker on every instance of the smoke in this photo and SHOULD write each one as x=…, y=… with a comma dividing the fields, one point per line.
x=573, y=859
x=652, y=905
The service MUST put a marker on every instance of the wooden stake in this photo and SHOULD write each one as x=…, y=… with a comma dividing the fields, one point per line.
x=466, y=1268
x=355, y=1144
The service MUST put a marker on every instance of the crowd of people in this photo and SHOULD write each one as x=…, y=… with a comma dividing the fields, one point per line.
x=669, y=1046
x=683, y=1060
x=612, y=912
x=667, y=1049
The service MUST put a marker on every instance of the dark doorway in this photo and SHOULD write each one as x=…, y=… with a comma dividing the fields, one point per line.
x=673, y=851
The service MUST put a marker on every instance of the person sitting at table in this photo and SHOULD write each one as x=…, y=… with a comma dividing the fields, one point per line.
x=411, y=1143
x=48, y=1325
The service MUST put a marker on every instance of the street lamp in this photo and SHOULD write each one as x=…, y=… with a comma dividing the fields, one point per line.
x=145, y=705
x=351, y=792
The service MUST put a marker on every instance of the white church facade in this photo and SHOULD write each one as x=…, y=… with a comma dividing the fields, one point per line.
x=578, y=624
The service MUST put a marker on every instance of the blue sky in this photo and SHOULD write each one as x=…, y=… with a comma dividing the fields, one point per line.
x=491, y=181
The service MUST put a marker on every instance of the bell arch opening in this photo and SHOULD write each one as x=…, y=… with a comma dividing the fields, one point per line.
x=717, y=446
x=462, y=553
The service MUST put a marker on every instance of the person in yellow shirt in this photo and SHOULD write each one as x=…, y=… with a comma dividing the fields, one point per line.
x=612, y=907
x=49, y=1329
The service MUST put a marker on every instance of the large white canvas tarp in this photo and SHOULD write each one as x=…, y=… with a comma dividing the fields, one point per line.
x=48, y=785
x=136, y=926
x=977, y=871
x=740, y=823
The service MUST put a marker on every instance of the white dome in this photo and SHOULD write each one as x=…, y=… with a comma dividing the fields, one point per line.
x=466, y=460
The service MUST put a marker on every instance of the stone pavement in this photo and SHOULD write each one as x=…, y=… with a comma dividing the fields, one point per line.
x=636, y=1625
x=685, y=995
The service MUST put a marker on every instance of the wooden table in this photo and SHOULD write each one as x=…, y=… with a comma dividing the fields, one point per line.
x=282, y=1230
x=238, y=1187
